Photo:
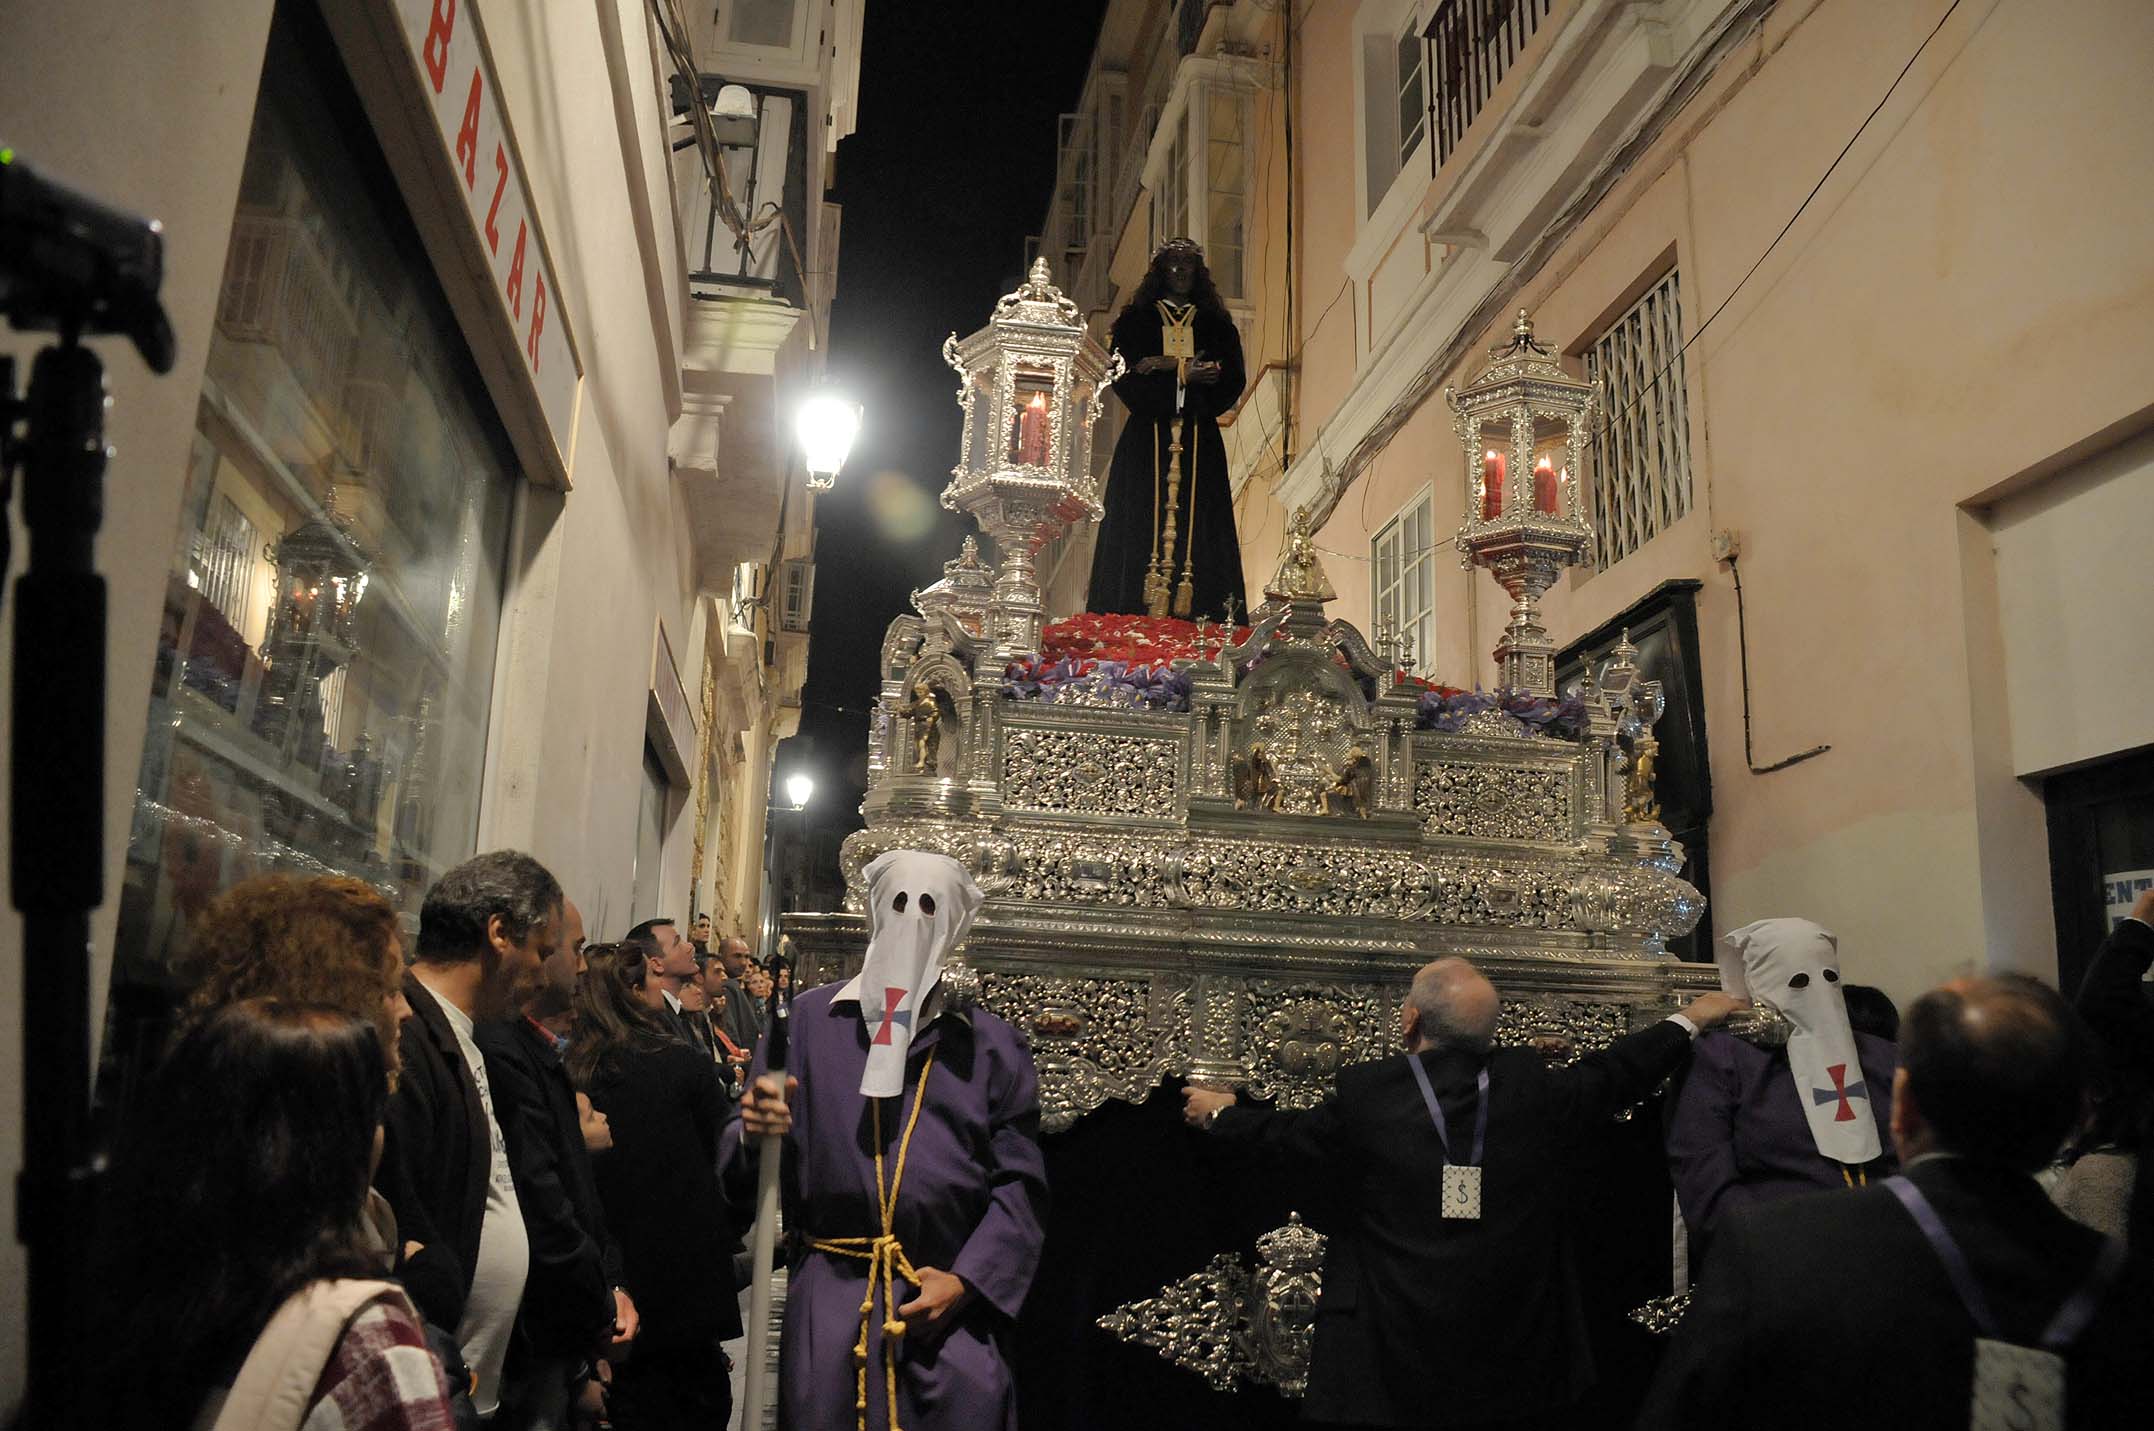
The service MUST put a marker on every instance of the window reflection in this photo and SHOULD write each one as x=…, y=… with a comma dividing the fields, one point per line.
x=325, y=663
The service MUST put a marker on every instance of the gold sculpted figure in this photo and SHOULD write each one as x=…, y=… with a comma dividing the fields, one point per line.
x=1355, y=782
x=926, y=711
x=1254, y=784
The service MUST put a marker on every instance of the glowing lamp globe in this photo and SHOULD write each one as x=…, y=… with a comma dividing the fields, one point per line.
x=826, y=425
x=800, y=789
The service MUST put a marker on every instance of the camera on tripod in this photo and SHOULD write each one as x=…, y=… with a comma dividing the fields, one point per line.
x=71, y=265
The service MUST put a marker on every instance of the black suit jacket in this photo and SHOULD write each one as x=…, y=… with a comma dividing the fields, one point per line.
x=1422, y=1316
x=436, y=1155
x=659, y=1184
x=2116, y=1005
x=1832, y=1306
x=568, y=1295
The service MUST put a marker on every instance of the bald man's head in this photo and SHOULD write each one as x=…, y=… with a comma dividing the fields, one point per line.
x=1994, y=1069
x=1451, y=1006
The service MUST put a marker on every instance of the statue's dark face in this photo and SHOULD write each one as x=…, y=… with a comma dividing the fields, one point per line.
x=1180, y=272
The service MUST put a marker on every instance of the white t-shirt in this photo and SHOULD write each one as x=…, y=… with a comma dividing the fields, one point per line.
x=497, y=1286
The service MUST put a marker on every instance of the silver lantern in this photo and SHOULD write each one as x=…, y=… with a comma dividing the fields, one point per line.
x=1033, y=381
x=1522, y=426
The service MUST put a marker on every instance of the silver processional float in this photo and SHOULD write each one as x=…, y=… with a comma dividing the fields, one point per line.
x=1220, y=851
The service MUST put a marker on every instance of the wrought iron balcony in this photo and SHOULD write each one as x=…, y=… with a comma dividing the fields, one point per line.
x=1472, y=44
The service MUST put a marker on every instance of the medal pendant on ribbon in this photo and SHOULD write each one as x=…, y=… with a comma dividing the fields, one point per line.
x=2015, y=1388
x=1461, y=1191
x=1178, y=341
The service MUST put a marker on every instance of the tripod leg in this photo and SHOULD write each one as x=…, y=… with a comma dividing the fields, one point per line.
x=57, y=788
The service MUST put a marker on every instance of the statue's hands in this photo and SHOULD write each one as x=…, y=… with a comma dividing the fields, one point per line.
x=1709, y=1011
x=1157, y=363
x=1206, y=372
x=763, y=1109
x=942, y=1296
x=1199, y=1104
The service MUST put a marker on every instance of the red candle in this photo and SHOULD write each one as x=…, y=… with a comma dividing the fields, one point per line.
x=1032, y=431
x=1544, y=485
x=1491, y=484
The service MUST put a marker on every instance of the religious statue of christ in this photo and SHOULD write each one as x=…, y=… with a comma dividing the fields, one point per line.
x=1167, y=544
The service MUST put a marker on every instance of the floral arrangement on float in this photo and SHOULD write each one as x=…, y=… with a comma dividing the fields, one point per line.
x=1107, y=658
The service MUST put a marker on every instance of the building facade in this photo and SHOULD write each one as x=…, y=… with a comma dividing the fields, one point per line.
x=470, y=515
x=1872, y=486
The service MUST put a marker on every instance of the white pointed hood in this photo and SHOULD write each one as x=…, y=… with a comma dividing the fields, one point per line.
x=920, y=906
x=1794, y=966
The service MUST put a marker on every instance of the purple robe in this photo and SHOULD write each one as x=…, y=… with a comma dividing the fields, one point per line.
x=1737, y=1134
x=972, y=1202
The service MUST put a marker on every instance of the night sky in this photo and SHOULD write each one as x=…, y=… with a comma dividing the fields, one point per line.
x=951, y=168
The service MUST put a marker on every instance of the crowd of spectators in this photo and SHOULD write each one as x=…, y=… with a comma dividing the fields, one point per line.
x=478, y=1181
x=473, y=1182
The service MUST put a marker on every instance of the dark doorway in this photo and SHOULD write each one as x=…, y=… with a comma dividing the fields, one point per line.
x=1663, y=625
x=2101, y=852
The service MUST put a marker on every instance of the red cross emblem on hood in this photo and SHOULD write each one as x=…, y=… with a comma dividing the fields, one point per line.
x=891, y=1015
x=1841, y=1090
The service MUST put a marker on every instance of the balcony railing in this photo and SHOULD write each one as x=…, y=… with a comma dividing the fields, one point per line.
x=1472, y=44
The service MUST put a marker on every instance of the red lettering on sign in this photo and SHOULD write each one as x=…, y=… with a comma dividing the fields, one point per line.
x=501, y=182
x=538, y=320
x=436, y=49
x=467, y=136
x=516, y=275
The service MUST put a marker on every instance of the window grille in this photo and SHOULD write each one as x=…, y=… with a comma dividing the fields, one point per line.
x=1403, y=561
x=226, y=552
x=1639, y=462
x=796, y=595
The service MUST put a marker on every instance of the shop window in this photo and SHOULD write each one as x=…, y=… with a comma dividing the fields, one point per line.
x=324, y=672
x=1404, y=561
x=1638, y=466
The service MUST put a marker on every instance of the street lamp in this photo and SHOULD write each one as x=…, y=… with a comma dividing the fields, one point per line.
x=826, y=425
x=800, y=789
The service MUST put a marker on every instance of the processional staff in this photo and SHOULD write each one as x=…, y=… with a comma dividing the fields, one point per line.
x=762, y=1353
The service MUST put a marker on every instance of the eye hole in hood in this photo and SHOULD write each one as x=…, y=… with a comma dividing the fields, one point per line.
x=897, y=906
x=927, y=904
x=1800, y=981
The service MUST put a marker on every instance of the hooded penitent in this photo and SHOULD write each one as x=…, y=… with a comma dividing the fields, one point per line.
x=919, y=907
x=1794, y=966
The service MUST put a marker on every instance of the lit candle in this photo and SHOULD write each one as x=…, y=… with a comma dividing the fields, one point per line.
x=1491, y=484
x=1032, y=431
x=1544, y=485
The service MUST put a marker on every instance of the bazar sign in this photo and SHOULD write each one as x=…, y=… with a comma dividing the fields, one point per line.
x=457, y=76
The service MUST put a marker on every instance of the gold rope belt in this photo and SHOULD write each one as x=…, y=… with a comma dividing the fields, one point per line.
x=885, y=1256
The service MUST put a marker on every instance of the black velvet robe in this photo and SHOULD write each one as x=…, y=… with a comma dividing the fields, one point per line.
x=1207, y=511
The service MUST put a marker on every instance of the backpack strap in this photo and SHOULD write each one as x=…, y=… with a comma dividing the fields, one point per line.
x=276, y=1384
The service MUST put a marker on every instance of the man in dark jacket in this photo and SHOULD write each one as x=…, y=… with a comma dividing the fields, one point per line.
x=483, y=931
x=1951, y=1296
x=573, y=1308
x=1470, y=1317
